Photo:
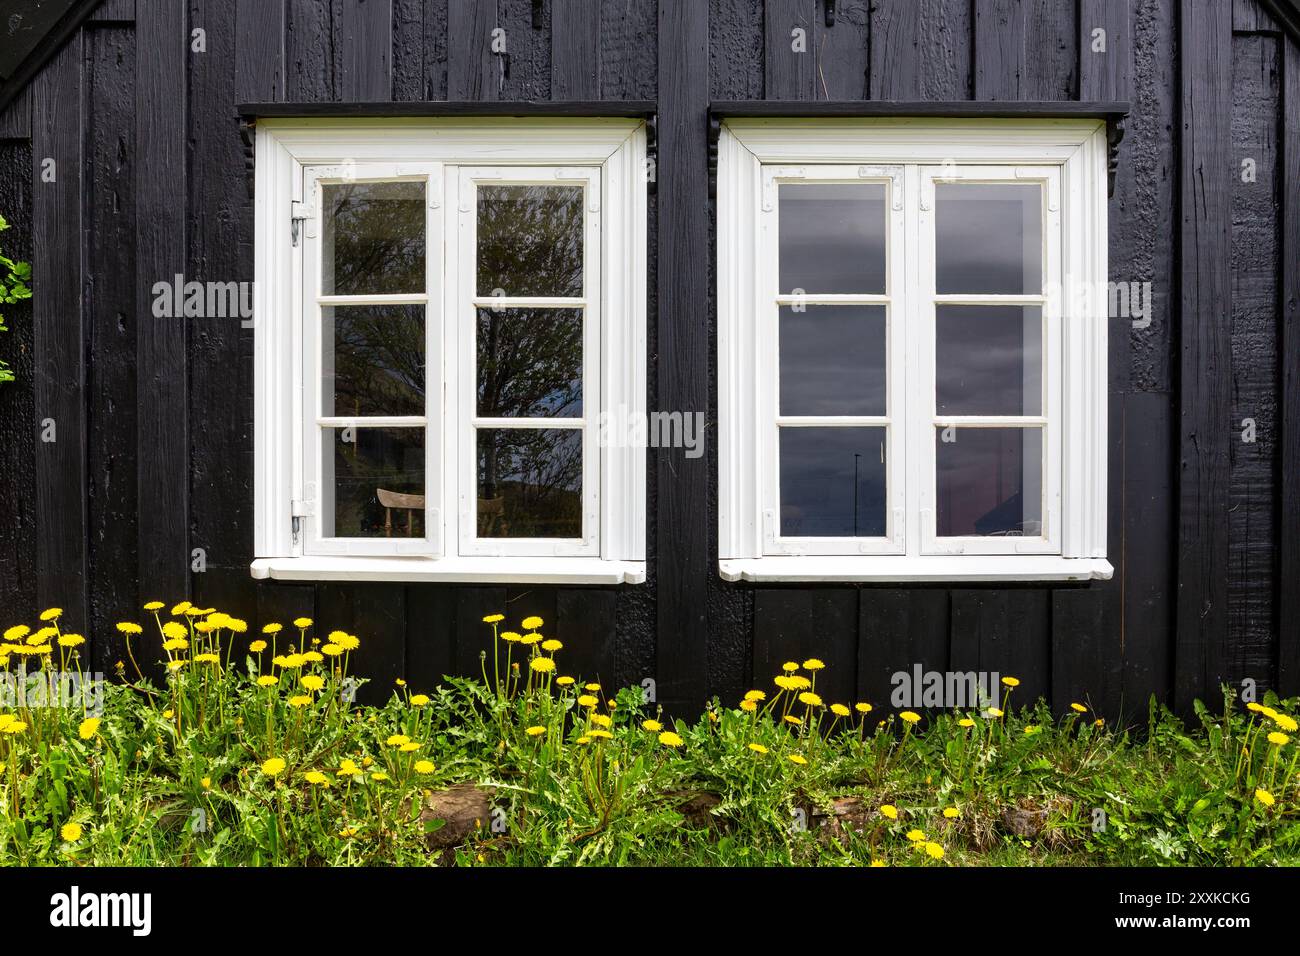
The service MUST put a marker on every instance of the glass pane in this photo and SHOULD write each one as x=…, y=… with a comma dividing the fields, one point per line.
x=530, y=483
x=833, y=360
x=529, y=363
x=990, y=481
x=530, y=240
x=373, y=241
x=989, y=360
x=832, y=237
x=372, y=360
x=988, y=238
x=833, y=482
x=375, y=477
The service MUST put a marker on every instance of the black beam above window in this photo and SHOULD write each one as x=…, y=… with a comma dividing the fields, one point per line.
x=612, y=108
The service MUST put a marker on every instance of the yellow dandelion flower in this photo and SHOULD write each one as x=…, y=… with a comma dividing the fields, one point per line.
x=299, y=700
x=934, y=850
x=272, y=628
x=758, y=748
x=792, y=719
x=349, y=642
x=493, y=618
x=586, y=700
x=531, y=623
x=652, y=725
x=600, y=720
x=207, y=657
x=1278, y=738
x=670, y=739
x=799, y=759
x=424, y=767
x=600, y=734
x=1264, y=797
x=267, y=680
x=916, y=836
x=13, y=727
x=313, y=681
x=409, y=748
x=128, y=627
x=535, y=731
x=331, y=650
x=952, y=813
x=317, y=778
x=813, y=664
x=584, y=740
x=552, y=645
x=379, y=776
x=181, y=608
x=995, y=712
x=71, y=640
x=564, y=681
x=206, y=783
x=174, y=630
x=862, y=707
x=273, y=766
x=51, y=614
x=396, y=740
x=889, y=810
x=839, y=710
x=88, y=728
x=1286, y=723
x=347, y=768
x=419, y=700
x=1078, y=708
x=154, y=606
x=910, y=716
x=810, y=699
x=748, y=706
x=71, y=832
x=789, y=667
x=755, y=695
x=1011, y=681
x=542, y=665
x=302, y=623
x=18, y=632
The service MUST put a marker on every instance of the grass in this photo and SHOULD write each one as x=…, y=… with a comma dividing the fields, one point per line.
x=251, y=751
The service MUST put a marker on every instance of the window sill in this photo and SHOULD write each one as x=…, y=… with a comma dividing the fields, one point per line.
x=963, y=569
x=451, y=570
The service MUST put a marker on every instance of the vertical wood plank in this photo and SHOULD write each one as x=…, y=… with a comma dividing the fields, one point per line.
x=119, y=11
x=474, y=72
x=737, y=48
x=473, y=637
x=788, y=49
x=430, y=635
x=1205, y=47
x=840, y=52
x=683, y=528
x=16, y=118
x=584, y=621
x=1288, y=660
x=261, y=30
x=899, y=630
x=309, y=52
x=575, y=50
x=419, y=50
x=1025, y=50
x=18, y=419
x=1255, y=386
x=364, y=50
x=162, y=373
x=1004, y=631
x=57, y=317
x=629, y=50
x=895, y=50
x=1105, y=60
x=112, y=453
x=797, y=624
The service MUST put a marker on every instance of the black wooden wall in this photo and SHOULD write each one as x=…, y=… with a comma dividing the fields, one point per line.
x=153, y=417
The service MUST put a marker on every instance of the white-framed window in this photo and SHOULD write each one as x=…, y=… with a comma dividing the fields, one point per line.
x=446, y=312
x=912, y=349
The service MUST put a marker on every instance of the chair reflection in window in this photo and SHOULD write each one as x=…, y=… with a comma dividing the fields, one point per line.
x=397, y=501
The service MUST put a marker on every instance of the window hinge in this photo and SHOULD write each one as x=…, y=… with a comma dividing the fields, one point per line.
x=300, y=212
x=299, y=509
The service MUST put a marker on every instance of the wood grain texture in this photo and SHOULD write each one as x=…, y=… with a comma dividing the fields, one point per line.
x=1025, y=50
x=1288, y=658
x=682, y=520
x=363, y=49
x=796, y=624
x=474, y=72
x=59, y=340
x=1205, y=350
x=162, y=369
x=629, y=50
x=419, y=50
x=575, y=49
x=788, y=49
x=1004, y=632
x=899, y=629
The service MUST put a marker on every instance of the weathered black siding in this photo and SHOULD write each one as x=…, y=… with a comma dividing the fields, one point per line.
x=154, y=418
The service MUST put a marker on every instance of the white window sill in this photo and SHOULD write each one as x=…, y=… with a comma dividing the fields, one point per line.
x=964, y=569
x=455, y=570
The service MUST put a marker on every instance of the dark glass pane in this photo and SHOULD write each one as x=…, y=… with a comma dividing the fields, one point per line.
x=988, y=238
x=833, y=482
x=529, y=363
x=378, y=482
x=530, y=483
x=990, y=481
x=989, y=360
x=372, y=360
x=833, y=360
x=530, y=240
x=832, y=238
x=373, y=242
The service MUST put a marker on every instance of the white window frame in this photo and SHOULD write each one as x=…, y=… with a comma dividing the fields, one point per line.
x=293, y=156
x=1069, y=158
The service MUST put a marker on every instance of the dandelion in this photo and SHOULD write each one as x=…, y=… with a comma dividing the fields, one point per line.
x=396, y=740
x=349, y=642
x=601, y=734
x=552, y=646
x=670, y=739
x=1031, y=729
x=181, y=608
x=168, y=714
x=1011, y=681
x=586, y=700
x=862, y=707
x=809, y=699
x=313, y=681
x=994, y=712
x=207, y=657
x=18, y=631
x=1257, y=708
x=299, y=700
x=542, y=665
x=174, y=631
x=591, y=687
x=1264, y=797
x=52, y=614
x=952, y=813
x=317, y=778
x=600, y=720
x=878, y=863
x=748, y=706
x=755, y=695
x=267, y=680
x=839, y=710
x=89, y=728
x=1286, y=723
x=1278, y=739
x=331, y=650
x=272, y=628
x=409, y=748
x=71, y=640
x=1078, y=708
x=379, y=776
x=531, y=623
x=792, y=719
x=916, y=836
x=889, y=810
x=424, y=767
x=564, y=681
x=798, y=759
x=302, y=623
x=417, y=700
x=154, y=606
x=176, y=665
x=813, y=664
x=789, y=667
x=347, y=768
x=206, y=783
x=652, y=725
x=758, y=748
x=584, y=740
x=910, y=716
x=966, y=722
x=934, y=850
x=13, y=727
x=71, y=832
x=535, y=731
x=493, y=618
x=273, y=766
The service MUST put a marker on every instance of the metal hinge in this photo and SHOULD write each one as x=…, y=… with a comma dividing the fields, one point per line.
x=299, y=509
x=300, y=212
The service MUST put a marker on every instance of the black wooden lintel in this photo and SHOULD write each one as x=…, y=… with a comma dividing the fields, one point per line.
x=1114, y=114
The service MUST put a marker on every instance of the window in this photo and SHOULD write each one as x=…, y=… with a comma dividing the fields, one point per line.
x=446, y=311
x=912, y=350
